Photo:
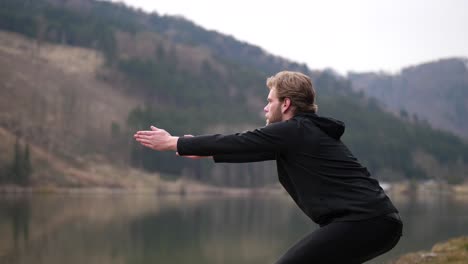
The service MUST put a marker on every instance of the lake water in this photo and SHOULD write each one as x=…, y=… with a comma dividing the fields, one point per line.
x=144, y=228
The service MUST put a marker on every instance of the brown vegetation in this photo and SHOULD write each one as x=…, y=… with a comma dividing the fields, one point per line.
x=143, y=44
x=52, y=98
x=454, y=251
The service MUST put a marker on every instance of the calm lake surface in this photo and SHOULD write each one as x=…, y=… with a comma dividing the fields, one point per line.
x=144, y=228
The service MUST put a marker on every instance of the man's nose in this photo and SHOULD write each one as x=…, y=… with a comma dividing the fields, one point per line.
x=265, y=109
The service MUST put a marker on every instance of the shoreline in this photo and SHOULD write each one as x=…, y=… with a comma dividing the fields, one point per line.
x=185, y=186
x=452, y=251
x=426, y=189
x=181, y=188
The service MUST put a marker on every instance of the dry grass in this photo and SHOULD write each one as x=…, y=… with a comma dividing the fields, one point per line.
x=454, y=251
x=190, y=58
x=53, y=174
x=462, y=189
x=72, y=60
x=51, y=95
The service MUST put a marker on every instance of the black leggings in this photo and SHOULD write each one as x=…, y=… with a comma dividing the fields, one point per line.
x=349, y=242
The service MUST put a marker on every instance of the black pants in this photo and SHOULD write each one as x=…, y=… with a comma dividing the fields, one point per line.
x=349, y=242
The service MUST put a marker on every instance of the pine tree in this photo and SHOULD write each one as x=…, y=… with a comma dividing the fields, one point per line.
x=27, y=167
x=21, y=168
x=16, y=171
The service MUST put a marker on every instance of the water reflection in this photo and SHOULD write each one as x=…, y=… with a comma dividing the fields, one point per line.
x=218, y=231
x=17, y=213
x=429, y=218
x=122, y=228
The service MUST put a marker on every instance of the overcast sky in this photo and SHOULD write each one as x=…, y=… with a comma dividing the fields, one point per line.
x=346, y=35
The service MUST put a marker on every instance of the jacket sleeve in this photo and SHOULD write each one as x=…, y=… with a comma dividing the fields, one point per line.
x=241, y=158
x=276, y=137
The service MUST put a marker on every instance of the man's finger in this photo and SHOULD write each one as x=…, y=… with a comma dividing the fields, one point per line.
x=137, y=137
x=144, y=141
x=144, y=136
x=145, y=132
x=153, y=128
x=147, y=145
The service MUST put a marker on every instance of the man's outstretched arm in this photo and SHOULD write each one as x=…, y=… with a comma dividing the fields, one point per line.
x=235, y=158
x=159, y=139
x=272, y=138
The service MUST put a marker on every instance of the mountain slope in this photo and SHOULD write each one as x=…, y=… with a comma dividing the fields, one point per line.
x=88, y=74
x=434, y=91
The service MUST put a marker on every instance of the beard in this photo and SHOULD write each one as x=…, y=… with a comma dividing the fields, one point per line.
x=275, y=116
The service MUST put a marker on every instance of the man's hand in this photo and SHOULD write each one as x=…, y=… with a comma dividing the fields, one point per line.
x=157, y=139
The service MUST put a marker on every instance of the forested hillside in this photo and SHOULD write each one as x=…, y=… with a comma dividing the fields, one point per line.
x=434, y=91
x=83, y=75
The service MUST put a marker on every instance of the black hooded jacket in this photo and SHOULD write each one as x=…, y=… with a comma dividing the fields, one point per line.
x=319, y=172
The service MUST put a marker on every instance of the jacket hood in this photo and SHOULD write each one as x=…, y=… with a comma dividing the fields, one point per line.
x=332, y=127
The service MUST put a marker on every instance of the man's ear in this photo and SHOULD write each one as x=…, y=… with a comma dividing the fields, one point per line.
x=285, y=105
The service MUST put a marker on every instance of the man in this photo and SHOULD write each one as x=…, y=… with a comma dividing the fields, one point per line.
x=357, y=220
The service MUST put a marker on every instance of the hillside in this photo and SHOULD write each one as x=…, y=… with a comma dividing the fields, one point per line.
x=63, y=112
x=79, y=77
x=435, y=91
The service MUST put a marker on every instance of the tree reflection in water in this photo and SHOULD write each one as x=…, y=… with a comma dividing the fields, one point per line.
x=132, y=228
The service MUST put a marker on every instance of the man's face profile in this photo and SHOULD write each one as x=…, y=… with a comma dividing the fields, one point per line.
x=273, y=108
